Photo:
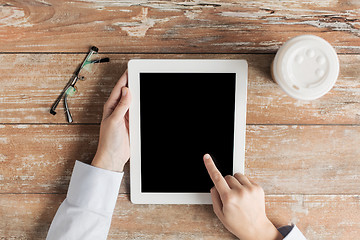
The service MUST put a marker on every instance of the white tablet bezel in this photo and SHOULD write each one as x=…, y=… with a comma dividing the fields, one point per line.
x=137, y=66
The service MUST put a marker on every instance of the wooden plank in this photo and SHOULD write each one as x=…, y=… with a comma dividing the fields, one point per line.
x=175, y=26
x=43, y=156
x=282, y=159
x=28, y=216
x=304, y=159
x=31, y=83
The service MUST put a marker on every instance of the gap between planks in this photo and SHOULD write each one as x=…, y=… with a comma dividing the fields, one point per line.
x=267, y=195
x=152, y=53
x=248, y=124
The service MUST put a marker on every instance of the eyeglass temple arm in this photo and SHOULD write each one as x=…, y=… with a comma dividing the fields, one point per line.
x=56, y=103
x=101, y=60
x=67, y=111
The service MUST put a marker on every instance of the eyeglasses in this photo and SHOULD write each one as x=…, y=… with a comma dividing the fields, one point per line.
x=70, y=88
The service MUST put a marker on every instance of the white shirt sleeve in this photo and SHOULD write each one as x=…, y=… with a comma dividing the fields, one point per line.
x=291, y=233
x=87, y=210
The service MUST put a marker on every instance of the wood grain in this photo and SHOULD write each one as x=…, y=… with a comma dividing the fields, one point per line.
x=32, y=82
x=282, y=159
x=28, y=216
x=140, y=26
x=43, y=156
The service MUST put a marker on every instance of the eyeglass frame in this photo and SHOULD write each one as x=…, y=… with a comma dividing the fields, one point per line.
x=73, y=80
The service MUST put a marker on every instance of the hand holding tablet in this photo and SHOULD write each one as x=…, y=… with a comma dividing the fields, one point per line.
x=113, y=150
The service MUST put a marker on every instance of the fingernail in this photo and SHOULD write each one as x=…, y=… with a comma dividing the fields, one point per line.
x=123, y=91
x=207, y=156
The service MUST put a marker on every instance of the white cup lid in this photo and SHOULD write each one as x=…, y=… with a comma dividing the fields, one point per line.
x=306, y=67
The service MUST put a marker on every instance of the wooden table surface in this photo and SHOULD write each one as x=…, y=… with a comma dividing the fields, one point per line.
x=305, y=154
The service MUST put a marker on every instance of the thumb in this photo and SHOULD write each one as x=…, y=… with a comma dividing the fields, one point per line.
x=123, y=105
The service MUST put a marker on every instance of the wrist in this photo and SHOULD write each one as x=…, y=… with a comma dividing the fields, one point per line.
x=108, y=163
x=270, y=232
x=263, y=230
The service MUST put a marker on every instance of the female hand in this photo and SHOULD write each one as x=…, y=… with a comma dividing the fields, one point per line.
x=114, y=149
x=239, y=203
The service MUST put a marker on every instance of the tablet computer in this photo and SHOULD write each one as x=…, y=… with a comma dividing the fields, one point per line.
x=180, y=110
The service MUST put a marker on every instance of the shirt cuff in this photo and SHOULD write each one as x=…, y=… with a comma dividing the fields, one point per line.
x=94, y=188
x=291, y=233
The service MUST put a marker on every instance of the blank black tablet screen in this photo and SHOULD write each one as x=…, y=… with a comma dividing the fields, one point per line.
x=182, y=117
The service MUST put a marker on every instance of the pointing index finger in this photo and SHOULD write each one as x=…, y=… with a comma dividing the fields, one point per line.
x=215, y=175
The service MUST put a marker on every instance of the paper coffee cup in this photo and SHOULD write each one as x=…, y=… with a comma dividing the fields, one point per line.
x=306, y=67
